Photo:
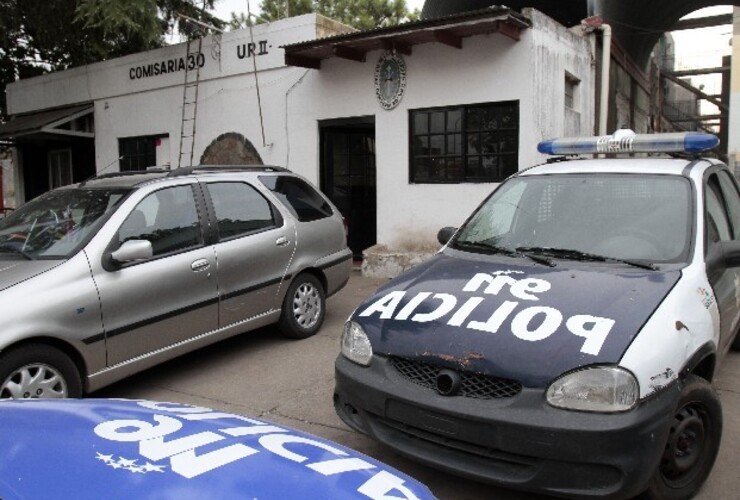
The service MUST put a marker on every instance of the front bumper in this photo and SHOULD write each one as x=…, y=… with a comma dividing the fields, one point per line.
x=519, y=442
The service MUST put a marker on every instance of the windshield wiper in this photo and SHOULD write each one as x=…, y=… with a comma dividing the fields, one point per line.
x=481, y=246
x=494, y=249
x=15, y=251
x=567, y=253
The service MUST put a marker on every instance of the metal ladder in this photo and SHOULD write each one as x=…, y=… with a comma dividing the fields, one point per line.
x=190, y=102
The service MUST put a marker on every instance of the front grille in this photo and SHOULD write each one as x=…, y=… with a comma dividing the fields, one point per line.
x=473, y=385
x=515, y=465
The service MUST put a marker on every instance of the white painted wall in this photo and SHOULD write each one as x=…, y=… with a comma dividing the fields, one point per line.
x=489, y=68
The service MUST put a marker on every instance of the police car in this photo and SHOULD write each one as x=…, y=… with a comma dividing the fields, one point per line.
x=96, y=448
x=565, y=338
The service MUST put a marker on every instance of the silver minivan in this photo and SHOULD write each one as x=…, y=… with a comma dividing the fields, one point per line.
x=106, y=278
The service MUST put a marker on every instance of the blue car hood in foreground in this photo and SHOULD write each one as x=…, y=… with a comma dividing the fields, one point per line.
x=529, y=323
x=139, y=449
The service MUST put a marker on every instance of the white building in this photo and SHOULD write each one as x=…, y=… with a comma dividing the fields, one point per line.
x=406, y=128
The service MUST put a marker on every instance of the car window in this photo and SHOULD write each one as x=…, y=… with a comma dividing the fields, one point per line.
x=298, y=196
x=717, y=221
x=168, y=218
x=57, y=223
x=614, y=215
x=240, y=209
x=732, y=199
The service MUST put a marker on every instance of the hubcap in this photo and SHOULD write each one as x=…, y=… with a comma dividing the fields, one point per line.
x=685, y=447
x=307, y=305
x=34, y=381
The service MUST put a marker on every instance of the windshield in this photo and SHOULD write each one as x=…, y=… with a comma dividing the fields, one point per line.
x=620, y=216
x=55, y=224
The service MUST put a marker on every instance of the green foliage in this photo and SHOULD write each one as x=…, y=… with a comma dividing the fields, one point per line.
x=272, y=10
x=37, y=36
x=361, y=14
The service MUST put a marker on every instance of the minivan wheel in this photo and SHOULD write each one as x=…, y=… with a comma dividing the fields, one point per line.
x=38, y=371
x=303, y=308
x=693, y=443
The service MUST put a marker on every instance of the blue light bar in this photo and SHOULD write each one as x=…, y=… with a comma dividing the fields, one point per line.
x=626, y=141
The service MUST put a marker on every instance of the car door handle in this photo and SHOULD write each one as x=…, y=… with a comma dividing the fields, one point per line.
x=200, y=265
x=282, y=241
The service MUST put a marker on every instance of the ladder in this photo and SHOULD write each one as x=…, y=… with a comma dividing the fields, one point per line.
x=190, y=102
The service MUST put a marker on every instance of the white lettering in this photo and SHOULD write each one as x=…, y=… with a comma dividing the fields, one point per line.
x=466, y=310
x=276, y=444
x=136, y=430
x=496, y=320
x=252, y=431
x=521, y=289
x=595, y=335
x=156, y=449
x=386, y=306
x=409, y=308
x=524, y=289
x=340, y=466
x=448, y=304
x=173, y=407
x=520, y=325
x=495, y=284
x=188, y=465
x=386, y=486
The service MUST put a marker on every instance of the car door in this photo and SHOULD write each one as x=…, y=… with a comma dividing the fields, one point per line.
x=156, y=303
x=722, y=222
x=255, y=246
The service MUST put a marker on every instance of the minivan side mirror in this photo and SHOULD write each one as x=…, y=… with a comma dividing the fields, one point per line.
x=132, y=251
x=444, y=234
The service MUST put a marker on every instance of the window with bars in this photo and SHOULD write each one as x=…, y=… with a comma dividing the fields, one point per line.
x=571, y=91
x=138, y=153
x=474, y=143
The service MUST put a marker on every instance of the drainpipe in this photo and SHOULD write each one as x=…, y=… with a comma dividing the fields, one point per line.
x=592, y=24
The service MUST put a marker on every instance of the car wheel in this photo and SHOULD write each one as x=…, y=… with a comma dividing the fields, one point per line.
x=38, y=371
x=303, y=308
x=693, y=443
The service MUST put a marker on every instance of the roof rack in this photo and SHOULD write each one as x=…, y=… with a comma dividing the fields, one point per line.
x=225, y=168
x=127, y=173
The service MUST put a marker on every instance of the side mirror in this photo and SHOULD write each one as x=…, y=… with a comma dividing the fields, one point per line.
x=731, y=253
x=444, y=234
x=132, y=251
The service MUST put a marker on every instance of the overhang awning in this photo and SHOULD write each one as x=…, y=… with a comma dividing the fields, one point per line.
x=54, y=121
x=449, y=30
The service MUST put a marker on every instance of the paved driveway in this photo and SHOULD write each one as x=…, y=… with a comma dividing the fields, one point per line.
x=291, y=382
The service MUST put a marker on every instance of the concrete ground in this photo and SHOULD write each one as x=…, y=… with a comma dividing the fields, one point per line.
x=291, y=382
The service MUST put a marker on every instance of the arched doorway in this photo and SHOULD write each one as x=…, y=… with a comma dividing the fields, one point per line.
x=231, y=149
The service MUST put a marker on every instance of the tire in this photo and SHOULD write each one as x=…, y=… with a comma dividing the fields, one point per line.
x=304, y=307
x=692, y=446
x=36, y=371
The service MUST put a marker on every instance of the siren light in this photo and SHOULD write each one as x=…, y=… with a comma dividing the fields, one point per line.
x=626, y=141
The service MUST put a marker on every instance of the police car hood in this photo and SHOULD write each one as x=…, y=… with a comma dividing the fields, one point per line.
x=139, y=449
x=13, y=272
x=495, y=316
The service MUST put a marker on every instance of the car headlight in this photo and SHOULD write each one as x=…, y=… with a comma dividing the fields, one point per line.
x=600, y=389
x=355, y=344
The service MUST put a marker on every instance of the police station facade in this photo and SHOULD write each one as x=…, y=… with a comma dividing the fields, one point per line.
x=406, y=129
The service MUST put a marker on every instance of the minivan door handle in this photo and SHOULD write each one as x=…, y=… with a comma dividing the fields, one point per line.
x=200, y=265
x=282, y=241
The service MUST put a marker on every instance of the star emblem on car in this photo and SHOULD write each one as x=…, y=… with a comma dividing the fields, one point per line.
x=128, y=464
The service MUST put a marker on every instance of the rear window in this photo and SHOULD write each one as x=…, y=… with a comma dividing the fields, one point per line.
x=298, y=196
